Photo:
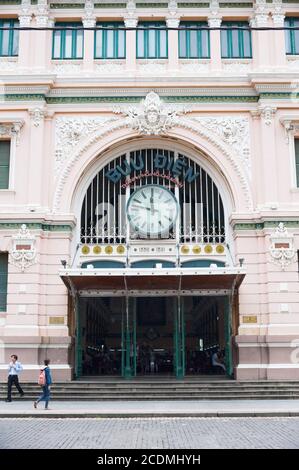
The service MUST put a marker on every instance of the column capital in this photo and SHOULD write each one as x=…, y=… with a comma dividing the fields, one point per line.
x=89, y=19
x=131, y=22
x=261, y=14
x=131, y=18
x=214, y=22
x=25, y=15
x=278, y=14
x=172, y=22
x=42, y=14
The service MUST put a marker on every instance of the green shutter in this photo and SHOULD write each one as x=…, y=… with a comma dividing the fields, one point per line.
x=8, y=44
x=297, y=160
x=159, y=45
x=119, y=41
x=242, y=41
x=61, y=34
x=4, y=163
x=3, y=281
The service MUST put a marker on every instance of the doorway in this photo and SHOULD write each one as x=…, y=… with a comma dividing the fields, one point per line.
x=153, y=336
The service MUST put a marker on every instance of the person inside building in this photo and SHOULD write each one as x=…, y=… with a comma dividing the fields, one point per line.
x=217, y=363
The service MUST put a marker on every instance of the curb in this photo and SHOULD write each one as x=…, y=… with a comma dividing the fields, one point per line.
x=205, y=414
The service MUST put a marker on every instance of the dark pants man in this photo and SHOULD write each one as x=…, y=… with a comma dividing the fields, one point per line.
x=13, y=379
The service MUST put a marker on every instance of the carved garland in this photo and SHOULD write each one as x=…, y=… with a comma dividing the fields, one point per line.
x=178, y=122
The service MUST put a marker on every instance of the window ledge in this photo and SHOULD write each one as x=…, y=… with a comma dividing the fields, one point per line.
x=7, y=191
x=294, y=190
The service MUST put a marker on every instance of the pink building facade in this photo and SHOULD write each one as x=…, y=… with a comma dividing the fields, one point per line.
x=210, y=116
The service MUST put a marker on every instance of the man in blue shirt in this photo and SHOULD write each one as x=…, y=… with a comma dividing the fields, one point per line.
x=14, y=368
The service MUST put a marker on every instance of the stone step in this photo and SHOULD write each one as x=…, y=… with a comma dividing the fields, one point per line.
x=131, y=397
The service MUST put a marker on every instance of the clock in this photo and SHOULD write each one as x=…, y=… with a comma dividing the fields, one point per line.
x=152, y=210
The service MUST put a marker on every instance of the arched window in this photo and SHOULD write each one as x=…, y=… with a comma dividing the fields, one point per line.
x=201, y=214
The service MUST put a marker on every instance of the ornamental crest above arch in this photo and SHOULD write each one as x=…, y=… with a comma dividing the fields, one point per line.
x=230, y=134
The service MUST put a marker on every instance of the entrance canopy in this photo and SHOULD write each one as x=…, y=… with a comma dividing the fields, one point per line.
x=141, y=282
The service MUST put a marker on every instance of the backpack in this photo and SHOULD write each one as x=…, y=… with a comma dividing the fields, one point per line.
x=42, y=377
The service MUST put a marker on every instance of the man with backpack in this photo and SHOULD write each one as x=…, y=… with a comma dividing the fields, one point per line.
x=45, y=381
x=14, y=368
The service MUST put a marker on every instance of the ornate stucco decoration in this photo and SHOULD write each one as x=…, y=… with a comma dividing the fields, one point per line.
x=70, y=131
x=152, y=117
x=69, y=153
x=25, y=15
x=89, y=19
x=11, y=129
x=42, y=13
x=291, y=126
x=278, y=15
x=214, y=19
x=233, y=131
x=173, y=18
x=267, y=113
x=282, y=249
x=23, y=251
x=261, y=14
x=37, y=115
x=131, y=18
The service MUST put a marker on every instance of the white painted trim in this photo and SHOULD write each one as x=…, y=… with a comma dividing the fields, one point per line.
x=268, y=366
x=152, y=272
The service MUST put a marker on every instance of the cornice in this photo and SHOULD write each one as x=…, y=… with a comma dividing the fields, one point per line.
x=142, y=91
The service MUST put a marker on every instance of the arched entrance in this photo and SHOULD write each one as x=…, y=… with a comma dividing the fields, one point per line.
x=153, y=271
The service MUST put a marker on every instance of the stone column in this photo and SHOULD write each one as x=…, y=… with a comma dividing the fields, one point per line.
x=215, y=44
x=260, y=39
x=42, y=39
x=36, y=158
x=89, y=21
x=173, y=43
x=25, y=18
x=268, y=155
x=279, y=42
x=131, y=44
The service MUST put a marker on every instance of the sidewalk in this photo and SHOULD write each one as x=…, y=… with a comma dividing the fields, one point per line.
x=133, y=409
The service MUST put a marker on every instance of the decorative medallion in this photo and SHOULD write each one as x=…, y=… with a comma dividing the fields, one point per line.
x=152, y=117
x=220, y=249
x=282, y=249
x=97, y=250
x=85, y=250
x=23, y=252
x=208, y=249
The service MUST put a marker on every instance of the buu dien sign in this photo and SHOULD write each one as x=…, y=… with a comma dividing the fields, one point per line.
x=175, y=168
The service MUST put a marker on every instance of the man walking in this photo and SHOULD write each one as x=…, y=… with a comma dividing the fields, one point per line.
x=14, y=368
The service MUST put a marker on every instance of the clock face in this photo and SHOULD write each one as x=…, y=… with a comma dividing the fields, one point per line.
x=152, y=210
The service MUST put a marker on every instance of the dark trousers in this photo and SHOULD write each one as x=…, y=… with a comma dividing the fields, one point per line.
x=45, y=396
x=13, y=379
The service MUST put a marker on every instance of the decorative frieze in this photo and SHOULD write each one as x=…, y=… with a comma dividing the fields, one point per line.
x=282, y=249
x=67, y=68
x=69, y=131
x=8, y=64
x=110, y=67
x=234, y=132
x=11, y=129
x=235, y=65
x=23, y=251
